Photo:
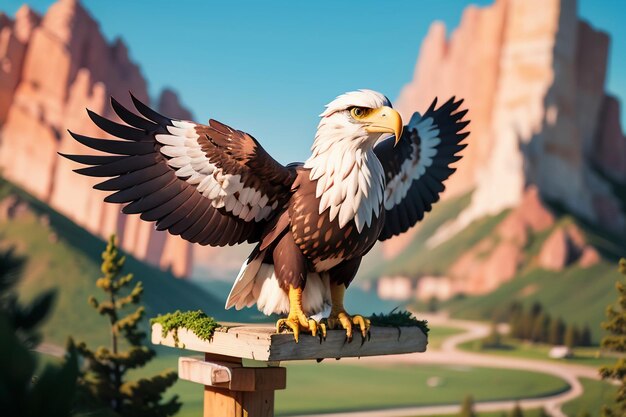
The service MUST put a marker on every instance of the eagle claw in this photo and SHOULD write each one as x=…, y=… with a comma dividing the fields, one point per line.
x=342, y=320
x=299, y=323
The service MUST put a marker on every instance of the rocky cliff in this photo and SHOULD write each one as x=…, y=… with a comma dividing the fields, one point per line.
x=51, y=68
x=535, y=86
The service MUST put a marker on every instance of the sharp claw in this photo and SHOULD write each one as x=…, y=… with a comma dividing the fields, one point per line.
x=279, y=325
x=312, y=327
x=362, y=322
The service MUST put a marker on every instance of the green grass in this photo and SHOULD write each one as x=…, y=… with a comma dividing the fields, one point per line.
x=336, y=386
x=418, y=260
x=535, y=412
x=589, y=356
x=578, y=295
x=359, y=387
x=373, y=386
x=71, y=264
x=438, y=334
x=339, y=386
x=415, y=255
x=597, y=393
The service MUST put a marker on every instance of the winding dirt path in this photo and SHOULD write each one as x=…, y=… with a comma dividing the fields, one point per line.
x=450, y=354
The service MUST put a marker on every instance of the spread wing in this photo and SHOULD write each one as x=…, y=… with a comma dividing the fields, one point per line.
x=419, y=164
x=209, y=184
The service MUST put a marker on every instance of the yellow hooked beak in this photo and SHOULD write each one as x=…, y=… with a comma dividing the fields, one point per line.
x=384, y=120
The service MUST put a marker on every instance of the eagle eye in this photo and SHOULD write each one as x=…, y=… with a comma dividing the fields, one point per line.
x=359, y=112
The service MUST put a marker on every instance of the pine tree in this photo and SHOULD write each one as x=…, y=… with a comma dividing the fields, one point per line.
x=24, y=319
x=569, y=339
x=540, y=328
x=467, y=408
x=517, y=411
x=585, y=337
x=104, y=378
x=616, y=342
x=493, y=340
x=576, y=335
x=22, y=392
x=557, y=332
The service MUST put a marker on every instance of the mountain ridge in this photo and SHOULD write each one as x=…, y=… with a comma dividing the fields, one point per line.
x=53, y=66
x=535, y=87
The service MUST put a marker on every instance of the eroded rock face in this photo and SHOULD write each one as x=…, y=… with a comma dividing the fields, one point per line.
x=534, y=84
x=51, y=69
x=565, y=246
x=498, y=258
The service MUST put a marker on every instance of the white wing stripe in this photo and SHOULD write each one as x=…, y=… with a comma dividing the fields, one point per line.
x=185, y=155
x=414, y=167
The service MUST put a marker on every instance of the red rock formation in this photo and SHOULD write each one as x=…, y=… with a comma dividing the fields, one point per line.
x=564, y=246
x=466, y=65
x=497, y=258
x=51, y=68
x=534, y=83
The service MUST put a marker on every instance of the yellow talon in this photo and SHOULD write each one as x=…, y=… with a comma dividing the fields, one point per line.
x=339, y=318
x=362, y=322
x=297, y=321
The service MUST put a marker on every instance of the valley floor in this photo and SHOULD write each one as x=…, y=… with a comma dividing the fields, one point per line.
x=579, y=378
x=425, y=384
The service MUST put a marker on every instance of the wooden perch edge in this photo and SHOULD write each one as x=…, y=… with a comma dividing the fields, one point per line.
x=262, y=343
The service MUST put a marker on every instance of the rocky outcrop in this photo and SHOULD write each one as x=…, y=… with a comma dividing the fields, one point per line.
x=565, y=246
x=501, y=255
x=534, y=84
x=466, y=65
x=51, y=68
x=497, y=258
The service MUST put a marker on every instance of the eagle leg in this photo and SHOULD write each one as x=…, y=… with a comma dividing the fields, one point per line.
x=340, y=319
x=297, y=321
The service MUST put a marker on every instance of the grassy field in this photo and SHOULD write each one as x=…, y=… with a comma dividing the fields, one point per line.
x=336, y=386
x=64, y=256
x=437, y=334
x=596, y=394
x=589, y=356
x=352, y=386
x=577, y=295
x=343, y=386
x=414, y=258
x=535, y=412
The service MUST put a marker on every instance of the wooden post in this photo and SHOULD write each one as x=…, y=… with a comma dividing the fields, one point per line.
x=234, y=390
x=219, y=402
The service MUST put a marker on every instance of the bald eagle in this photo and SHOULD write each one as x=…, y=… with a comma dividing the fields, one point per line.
x=368, y=178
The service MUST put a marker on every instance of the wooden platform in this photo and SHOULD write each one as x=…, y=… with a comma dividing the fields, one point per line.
x=262, y=343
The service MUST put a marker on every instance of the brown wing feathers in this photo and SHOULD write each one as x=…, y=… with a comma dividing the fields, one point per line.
x=147, y=185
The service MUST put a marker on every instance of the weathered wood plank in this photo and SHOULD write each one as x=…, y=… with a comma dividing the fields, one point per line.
x=264, y=344
x=205, y=373
x=232, y=376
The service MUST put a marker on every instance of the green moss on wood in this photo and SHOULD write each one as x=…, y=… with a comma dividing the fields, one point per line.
x=199, y=323
x=397, y=318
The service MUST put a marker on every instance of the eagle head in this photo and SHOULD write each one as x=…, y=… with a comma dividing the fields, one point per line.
x=358, y=119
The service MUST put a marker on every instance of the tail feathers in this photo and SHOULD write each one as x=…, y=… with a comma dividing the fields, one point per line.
x=257, y=283
x=241, y=295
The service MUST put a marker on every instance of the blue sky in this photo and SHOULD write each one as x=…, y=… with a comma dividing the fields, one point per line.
x=269, y=67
